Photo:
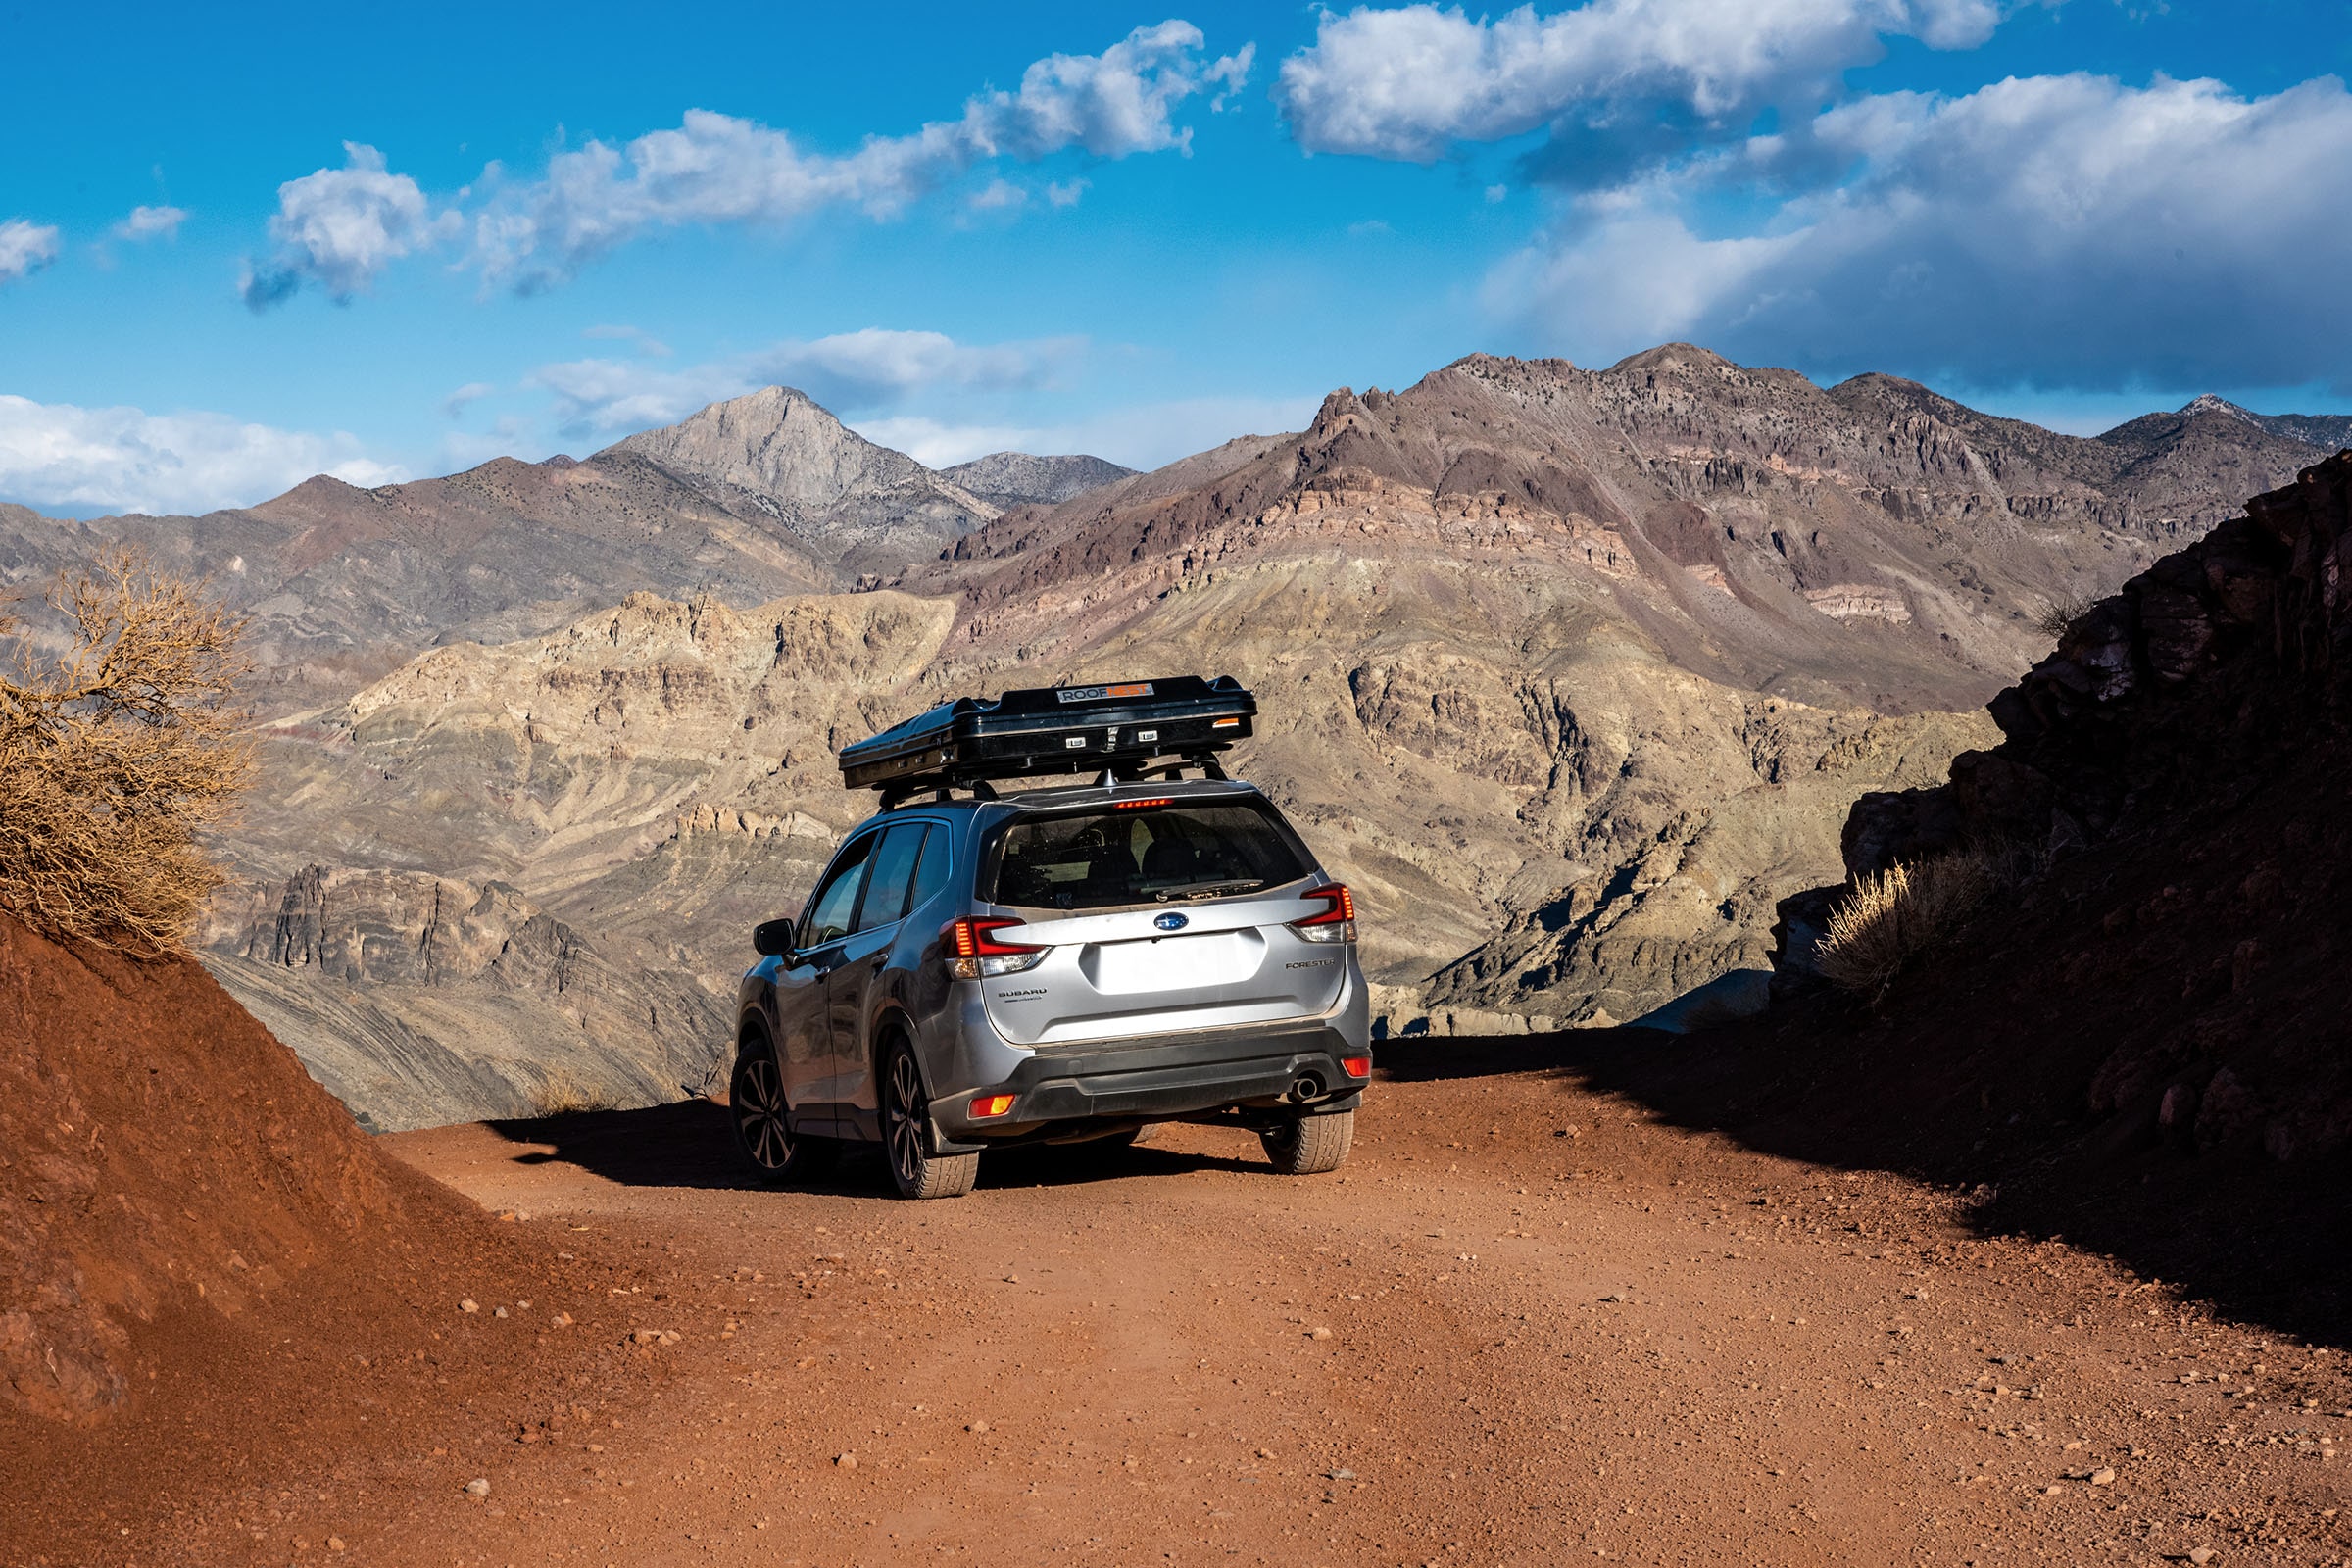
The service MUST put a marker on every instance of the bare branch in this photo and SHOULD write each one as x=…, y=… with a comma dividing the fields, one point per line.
x=114, y=754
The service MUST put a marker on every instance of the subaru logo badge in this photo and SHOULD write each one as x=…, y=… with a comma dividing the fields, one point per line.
x=1172, y=922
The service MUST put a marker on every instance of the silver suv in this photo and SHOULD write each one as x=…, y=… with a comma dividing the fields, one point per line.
x=1055, y=966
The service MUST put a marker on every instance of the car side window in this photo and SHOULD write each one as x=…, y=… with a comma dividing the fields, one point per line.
x=836, y=899
x=893, y=874
x=931, y=875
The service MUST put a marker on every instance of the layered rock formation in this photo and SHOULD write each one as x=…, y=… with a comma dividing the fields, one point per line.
x=1575, y=670
x=1572, y=673
x=414, y=997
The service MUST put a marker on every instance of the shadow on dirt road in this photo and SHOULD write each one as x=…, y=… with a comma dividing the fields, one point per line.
x=2265, y=1242
x=686, y=1145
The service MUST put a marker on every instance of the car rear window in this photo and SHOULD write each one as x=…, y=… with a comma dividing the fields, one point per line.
x=1138, y=855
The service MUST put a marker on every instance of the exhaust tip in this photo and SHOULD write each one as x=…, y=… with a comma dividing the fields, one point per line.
x=1308, y=1087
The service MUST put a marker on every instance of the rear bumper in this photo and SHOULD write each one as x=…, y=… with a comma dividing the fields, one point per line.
x=1157, y=1078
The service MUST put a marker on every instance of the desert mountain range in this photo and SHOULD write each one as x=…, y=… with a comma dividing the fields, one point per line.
x=1572, y=673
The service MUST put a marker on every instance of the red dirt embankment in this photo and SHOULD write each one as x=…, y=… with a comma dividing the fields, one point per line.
x=160, y=1158
x=210, y=1275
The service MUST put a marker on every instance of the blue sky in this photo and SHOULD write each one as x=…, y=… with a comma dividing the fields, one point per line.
x=234, y=254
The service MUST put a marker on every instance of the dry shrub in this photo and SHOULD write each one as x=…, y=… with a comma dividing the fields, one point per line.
x=563, y=1092
x=115, y=753
x=2063, y=611
x=1902, y=913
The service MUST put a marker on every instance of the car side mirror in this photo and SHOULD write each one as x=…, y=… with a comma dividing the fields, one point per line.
x=772, y=938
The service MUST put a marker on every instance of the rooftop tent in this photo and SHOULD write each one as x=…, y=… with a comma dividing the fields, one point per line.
x=1123, y=728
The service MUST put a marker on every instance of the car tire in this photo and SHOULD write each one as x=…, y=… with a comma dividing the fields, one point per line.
x=915, y=1170
x=765, y=1146
x=1309, y=1146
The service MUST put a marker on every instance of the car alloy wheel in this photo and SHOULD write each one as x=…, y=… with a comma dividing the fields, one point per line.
x=907, y=1105
x=914, y=1169
x=756, y=1101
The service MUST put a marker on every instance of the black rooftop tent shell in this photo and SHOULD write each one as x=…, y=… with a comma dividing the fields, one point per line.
x=1122, y=726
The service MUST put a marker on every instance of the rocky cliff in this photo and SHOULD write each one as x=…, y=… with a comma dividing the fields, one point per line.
x=2144, y=1046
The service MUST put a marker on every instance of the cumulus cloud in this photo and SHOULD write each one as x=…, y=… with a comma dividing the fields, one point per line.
x=717, y=169
x=125, y=460
x=26, y=247
x=338, y=228
x=152, y=223
x=2054, y=230
x=848, y=372
x=1414, y=82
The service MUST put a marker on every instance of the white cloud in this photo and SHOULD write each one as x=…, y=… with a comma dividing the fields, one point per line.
x=2052, y=230
x=1142, y=435
x=151, y=223
x=338, y=228
x=471, y=392
x=125, y=460
x=940, y=445
x=26, y=247
x=717, y=169
x=1413, y=81
x=1065, y=193
x=846, y=372
x=996, y=195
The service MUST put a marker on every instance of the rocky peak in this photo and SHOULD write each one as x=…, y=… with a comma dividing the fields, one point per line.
x=777, y=442
x=2207, y=402
x=1025, y=478
x=1671, y=356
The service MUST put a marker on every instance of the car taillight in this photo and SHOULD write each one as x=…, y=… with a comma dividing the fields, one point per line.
x=1356, y=1066
x=1336, y=922
x=971, y=952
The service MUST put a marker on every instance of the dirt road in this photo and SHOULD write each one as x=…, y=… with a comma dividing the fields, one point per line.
x=1525, y=1325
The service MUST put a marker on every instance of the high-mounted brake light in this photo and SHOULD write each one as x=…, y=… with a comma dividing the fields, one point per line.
x=972, y=952
x=1137, y=806
x=1337, y=920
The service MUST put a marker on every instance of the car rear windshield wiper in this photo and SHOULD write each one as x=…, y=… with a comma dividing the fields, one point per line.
x=1209, y=889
